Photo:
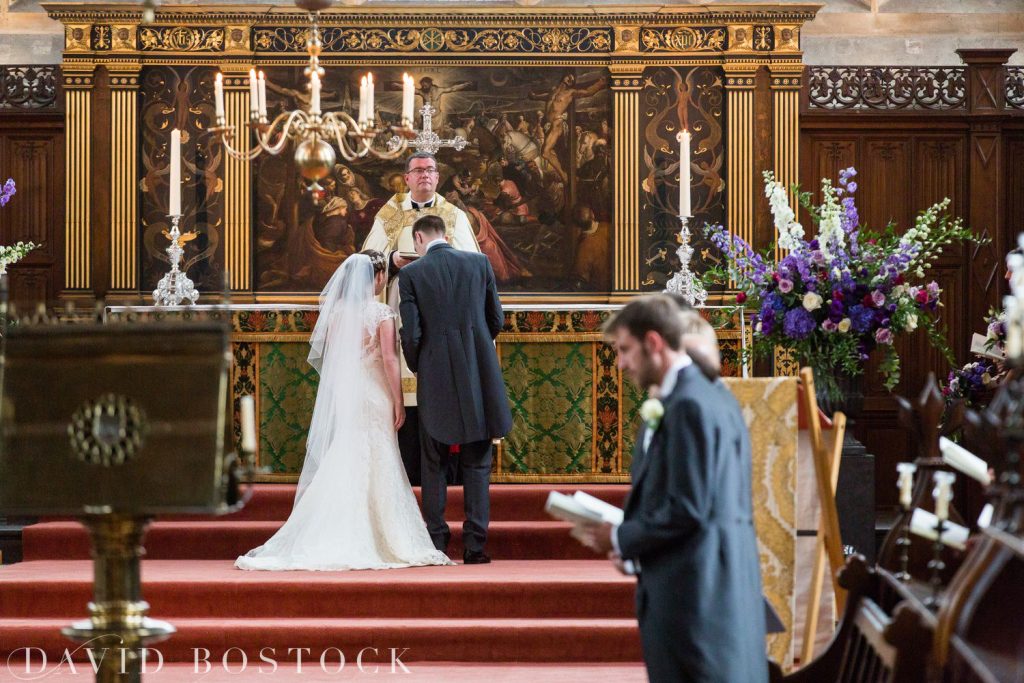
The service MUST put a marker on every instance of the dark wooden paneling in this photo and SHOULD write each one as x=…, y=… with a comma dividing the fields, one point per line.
x=32, y=152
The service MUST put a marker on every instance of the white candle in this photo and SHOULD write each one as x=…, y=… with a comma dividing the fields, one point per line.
x=314, y=93
x=248, y=418
x=408, y=98
x=369, y=97
x=362, y=100
x=943, y=493
x=1014, y=344
x=175, y=181
x=906, y=483
x=218, y=99
x=254, y=95
x=263, y=95
x=684, y=172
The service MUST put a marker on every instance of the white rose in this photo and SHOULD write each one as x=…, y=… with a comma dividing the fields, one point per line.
x=812, y=301
x=911, y=322
x=652, y=410
x=844, y=325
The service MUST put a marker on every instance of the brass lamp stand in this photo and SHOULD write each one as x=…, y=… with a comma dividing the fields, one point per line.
x=118, y=621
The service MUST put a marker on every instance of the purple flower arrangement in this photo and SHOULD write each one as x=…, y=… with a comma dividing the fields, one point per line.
x=843, y=293
x=13, y=254
x=7, y=191
x=969, y=382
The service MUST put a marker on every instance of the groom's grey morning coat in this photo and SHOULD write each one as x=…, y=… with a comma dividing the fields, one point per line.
x=450, y=316
x=689, y=521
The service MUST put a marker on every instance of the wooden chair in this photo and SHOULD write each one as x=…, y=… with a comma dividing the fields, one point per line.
x=829, y=546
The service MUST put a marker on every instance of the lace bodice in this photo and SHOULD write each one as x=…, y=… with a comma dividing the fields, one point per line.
x=376, y=313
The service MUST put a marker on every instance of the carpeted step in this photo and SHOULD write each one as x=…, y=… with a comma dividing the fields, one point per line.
x=420, y=672
x=469, y=640
x=508, y=501
x=227, y=539
x=586, y=589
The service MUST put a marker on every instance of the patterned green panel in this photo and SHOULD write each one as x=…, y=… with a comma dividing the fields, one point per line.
x=550, y=388
x=632, y=397
x=287, y=390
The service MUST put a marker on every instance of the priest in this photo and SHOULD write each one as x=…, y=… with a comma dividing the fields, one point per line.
x=391, y=234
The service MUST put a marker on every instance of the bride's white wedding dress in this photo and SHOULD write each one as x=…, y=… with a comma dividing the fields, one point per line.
x=354, y=507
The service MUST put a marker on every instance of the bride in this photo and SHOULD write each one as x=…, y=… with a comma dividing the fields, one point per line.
x=354, y=508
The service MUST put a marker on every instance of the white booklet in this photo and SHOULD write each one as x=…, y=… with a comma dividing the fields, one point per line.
x=581, y=508
x=979, y=342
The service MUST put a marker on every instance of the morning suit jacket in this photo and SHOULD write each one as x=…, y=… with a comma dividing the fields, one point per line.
x=689, y=522
x=450, y=316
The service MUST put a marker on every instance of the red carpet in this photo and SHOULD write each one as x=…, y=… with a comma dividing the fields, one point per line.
x=545, y=600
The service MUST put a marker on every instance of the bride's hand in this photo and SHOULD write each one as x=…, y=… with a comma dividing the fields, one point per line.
x=399, y=416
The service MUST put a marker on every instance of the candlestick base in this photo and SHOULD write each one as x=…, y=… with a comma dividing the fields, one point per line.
x=684, y=282
x=175, y=287
x=936, y=566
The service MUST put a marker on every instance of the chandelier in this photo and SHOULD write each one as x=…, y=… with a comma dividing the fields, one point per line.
x=312, y=131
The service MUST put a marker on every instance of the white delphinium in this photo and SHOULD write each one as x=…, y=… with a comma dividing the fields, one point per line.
x=790, y=231
x=831, y=238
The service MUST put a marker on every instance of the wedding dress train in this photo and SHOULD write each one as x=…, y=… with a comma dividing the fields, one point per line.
x=354, y=507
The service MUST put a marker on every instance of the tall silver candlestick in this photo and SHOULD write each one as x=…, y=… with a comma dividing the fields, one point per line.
x=175, y=286
x=685, y=282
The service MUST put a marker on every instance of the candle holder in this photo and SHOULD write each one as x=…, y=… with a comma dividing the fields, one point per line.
x=906, y=472
x=903, y=544
x=684, y=282
x=175, y=286
x=936, y=566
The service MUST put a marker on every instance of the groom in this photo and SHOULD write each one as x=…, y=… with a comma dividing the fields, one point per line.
x=450, y=316
x=688, y=531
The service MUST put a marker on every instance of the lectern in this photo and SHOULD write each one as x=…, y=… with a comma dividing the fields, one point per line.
x=116, y=424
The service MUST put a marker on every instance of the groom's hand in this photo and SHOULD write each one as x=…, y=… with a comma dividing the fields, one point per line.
x=597, y=537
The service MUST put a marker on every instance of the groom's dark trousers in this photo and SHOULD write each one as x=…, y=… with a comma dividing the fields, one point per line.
x=450, y=316
x=474, y=460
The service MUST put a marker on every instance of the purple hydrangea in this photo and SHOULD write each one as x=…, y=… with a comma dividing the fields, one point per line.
x=798, y=323
x=862, y=318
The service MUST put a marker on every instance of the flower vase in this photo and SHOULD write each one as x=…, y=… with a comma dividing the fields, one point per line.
x=838, y=391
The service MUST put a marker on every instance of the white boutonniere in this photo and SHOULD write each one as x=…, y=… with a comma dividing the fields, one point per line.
x=652, y=411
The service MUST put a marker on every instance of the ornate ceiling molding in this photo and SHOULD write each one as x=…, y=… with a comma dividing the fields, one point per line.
x=101, y=29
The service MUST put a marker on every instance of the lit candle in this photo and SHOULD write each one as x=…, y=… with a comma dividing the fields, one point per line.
x=175, y=181
x=943, y=493
x=314, y=93
x=362, y=100
x=684, y=172
x=248, y=419
x=408, y=98
x=369, y=107
x=218, y=99
x=263, y=95
x=254, y=95
x=906, y=483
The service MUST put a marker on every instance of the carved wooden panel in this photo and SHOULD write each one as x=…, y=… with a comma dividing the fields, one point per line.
x=1015, y=187
x=28, y=161
x=885, y=180
x=32, y=153
x=30, y=285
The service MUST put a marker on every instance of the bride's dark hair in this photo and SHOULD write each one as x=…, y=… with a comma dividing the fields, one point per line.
x=377, y=260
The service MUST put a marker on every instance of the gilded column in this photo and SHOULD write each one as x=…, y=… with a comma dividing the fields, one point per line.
x=740, y=172
x=626, y=84
x=237, y=187
x=78, y=83
x=785, y=85
x=124, y=220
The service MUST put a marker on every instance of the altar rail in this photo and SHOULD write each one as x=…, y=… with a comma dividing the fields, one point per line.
x=573, y=415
